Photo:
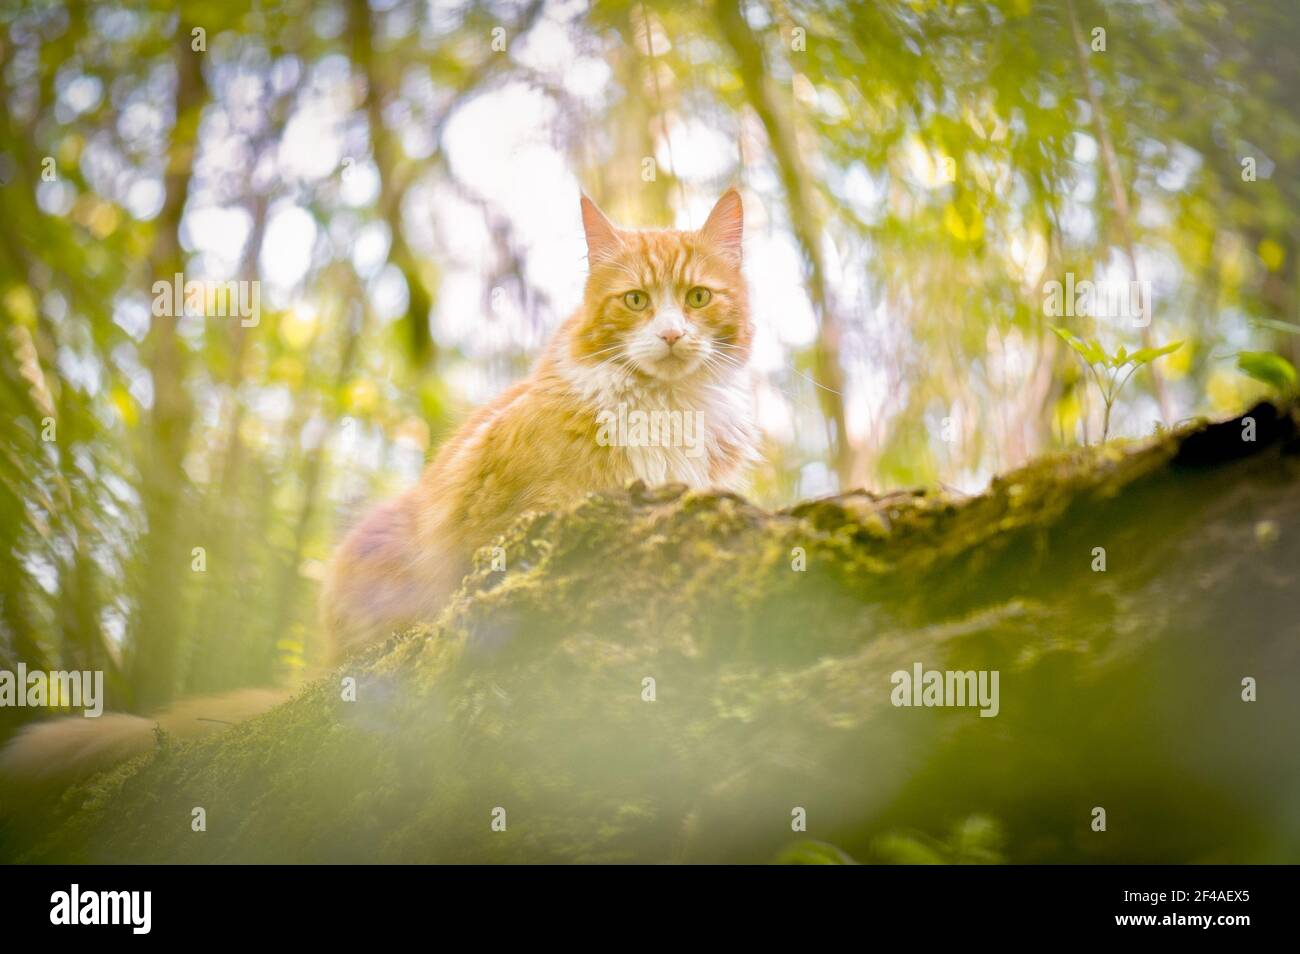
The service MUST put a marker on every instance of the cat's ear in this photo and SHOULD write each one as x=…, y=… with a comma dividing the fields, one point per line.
x=726, y=223
x=602, y=237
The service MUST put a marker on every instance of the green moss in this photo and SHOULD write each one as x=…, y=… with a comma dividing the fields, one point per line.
x=772, y=685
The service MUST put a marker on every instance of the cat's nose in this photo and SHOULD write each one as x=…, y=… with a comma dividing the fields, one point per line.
x=672, y=335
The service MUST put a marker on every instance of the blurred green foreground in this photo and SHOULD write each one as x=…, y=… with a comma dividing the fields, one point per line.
x=663, y=676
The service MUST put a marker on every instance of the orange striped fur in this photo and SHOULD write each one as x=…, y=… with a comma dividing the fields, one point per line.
x=663, y=327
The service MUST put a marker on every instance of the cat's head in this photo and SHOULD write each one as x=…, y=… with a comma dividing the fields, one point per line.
x=669, y=306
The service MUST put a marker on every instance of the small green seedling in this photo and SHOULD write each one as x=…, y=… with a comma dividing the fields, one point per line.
x=1112, y=371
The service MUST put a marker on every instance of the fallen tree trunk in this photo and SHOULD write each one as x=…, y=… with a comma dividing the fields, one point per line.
x=660, y=675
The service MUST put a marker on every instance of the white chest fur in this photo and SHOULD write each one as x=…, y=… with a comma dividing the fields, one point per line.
x=672, y=433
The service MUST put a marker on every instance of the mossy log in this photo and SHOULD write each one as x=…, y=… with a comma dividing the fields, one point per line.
x=772, y=640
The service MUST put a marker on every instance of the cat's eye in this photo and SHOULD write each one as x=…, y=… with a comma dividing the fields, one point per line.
x=698, y=297
x=636, y=300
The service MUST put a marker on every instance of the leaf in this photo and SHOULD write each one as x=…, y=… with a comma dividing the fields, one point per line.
x=1272, y=369
x=1147, y=355
x=903, y=849
x=1090, y=350
x=813, y=853
x=1064, y=335
x=1276, y=325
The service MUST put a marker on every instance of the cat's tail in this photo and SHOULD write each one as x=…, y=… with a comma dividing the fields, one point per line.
x=59, y=752
x=383, y=579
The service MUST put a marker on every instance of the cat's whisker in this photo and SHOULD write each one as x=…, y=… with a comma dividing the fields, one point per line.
x=720, y=363
x=594, y=354
x=725, y=358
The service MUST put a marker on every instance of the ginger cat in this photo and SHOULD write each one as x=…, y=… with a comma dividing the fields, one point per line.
x=663, y=335
x=663, y=330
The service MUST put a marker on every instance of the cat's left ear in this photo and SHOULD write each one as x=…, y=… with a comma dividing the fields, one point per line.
x=725, y=224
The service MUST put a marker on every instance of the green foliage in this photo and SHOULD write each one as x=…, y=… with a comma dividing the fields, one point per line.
x=813, y=853
x=975, y=840
x=1112, y=371
x=774, y=687
x=1272, y=369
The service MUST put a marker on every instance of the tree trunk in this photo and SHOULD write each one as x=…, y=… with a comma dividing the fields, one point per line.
x=165, y=551
x=807, y=228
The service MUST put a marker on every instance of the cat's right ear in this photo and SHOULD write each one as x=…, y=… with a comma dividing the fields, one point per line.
x=602, y=237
